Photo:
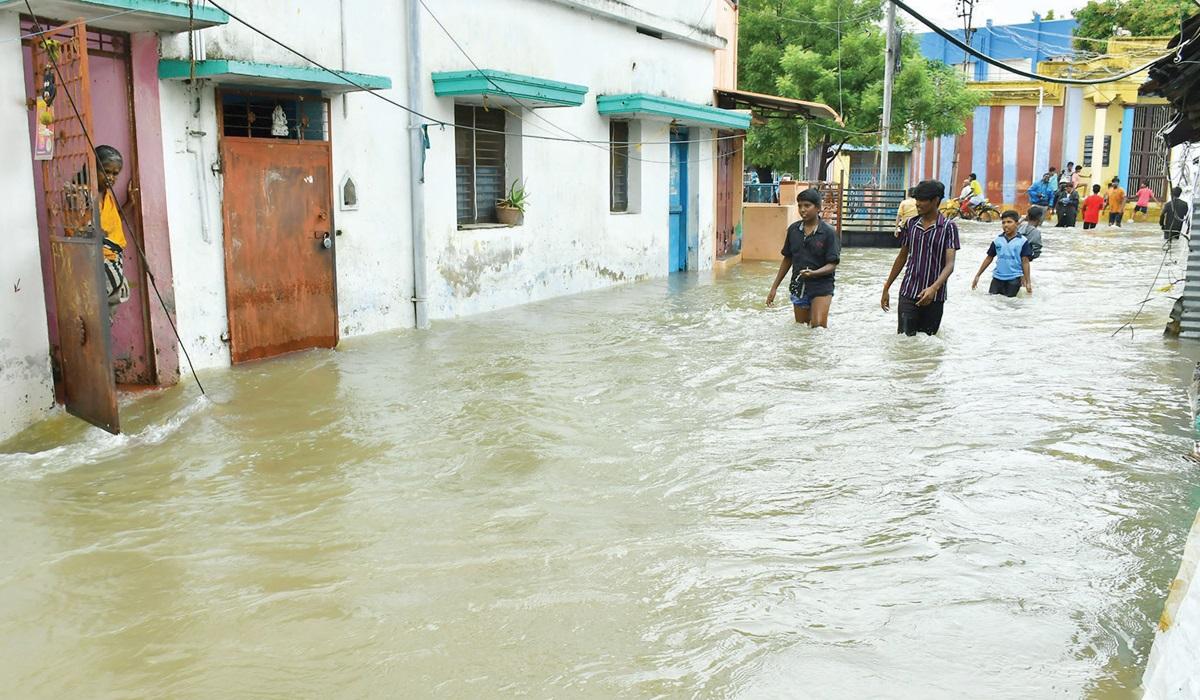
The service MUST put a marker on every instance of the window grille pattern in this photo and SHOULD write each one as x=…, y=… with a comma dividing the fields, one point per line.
x=478, y=163
x=618, y=136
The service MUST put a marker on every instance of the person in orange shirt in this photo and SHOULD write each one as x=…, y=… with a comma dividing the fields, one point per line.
x=1116, y=203
x=109, y=162
x=1091, y=208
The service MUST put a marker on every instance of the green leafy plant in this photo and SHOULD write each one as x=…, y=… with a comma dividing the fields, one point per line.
x=517, y=197
x=1102, y=19
x=52, y=48
x=832, y=51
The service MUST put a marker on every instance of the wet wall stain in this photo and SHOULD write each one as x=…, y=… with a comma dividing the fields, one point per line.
x=464, y=270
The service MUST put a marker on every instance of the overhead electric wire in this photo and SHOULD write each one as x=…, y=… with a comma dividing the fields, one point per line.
x=1033, y=76
x=433, y=121
x=101, y=18
x=120, y=212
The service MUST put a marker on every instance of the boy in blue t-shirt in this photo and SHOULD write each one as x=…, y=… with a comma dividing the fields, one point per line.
x=1012, y=253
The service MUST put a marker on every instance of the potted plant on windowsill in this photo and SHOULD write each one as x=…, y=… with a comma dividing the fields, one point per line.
x=510, y=209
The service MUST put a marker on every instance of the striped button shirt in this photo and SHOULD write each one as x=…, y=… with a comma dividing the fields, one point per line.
x=926, y=254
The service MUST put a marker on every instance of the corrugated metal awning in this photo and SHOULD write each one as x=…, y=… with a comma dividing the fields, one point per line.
x=772, y=106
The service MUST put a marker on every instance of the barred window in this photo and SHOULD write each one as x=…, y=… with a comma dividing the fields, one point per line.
x=1089, y=143
x=479, y=162
x=618, y=166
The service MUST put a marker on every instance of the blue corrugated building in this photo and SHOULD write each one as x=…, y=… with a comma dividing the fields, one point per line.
x=1018, y=45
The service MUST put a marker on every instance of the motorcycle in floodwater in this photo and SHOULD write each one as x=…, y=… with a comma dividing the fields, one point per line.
x=985, y=211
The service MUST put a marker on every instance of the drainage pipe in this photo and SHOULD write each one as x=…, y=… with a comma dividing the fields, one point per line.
x=416, y=162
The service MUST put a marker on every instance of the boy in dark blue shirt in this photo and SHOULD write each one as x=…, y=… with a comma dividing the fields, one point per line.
x=1012, y=253
x=811, y=251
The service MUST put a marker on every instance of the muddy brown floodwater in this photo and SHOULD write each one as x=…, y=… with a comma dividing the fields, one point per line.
x=657, y=490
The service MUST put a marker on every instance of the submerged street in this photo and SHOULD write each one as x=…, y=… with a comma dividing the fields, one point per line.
x=657, y=490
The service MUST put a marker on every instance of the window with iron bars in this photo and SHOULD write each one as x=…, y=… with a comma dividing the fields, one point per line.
x=618, y=166
x=1087, y=150
x=479, y=145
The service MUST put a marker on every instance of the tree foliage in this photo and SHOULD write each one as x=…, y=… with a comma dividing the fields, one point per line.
x=1101, y=19
x=832, y=51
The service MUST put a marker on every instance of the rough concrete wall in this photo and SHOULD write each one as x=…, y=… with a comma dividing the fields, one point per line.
x=1173, y=670
x=569, y=241
x=374, y=256
x=25, y=380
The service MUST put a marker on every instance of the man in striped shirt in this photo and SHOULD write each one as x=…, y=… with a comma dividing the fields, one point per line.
x=928, y=244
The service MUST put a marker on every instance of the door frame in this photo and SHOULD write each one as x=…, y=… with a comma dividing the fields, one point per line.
x=116, y=46
x=678, y=141
x=327, y=144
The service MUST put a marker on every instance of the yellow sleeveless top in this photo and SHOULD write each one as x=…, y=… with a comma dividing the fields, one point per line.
x=110, y=223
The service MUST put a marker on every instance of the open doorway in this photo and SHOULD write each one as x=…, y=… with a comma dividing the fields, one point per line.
x=110, y=107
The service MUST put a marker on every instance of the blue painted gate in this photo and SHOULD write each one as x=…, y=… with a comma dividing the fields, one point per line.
x=677, y=248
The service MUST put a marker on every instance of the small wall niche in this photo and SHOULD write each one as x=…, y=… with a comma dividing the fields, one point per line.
x=347, y=194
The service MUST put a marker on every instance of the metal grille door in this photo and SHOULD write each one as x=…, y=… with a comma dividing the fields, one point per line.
x=84, y=355
x=1148, y=154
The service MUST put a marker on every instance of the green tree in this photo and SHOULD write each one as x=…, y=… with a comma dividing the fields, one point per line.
x=1100, y=19
x=1049, y=15
x=832, y=51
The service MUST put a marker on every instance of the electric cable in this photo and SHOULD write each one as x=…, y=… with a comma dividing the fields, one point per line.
x=124, y=222
x=101, y=18
x=1033, y=76
x=431, y=121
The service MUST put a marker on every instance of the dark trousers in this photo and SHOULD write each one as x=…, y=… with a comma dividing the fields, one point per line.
x=912, y=319
x=1008, y=288
x=1114, y=217
x=1088, y=225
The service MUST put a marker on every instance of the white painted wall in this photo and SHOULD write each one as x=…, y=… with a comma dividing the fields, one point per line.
x=1173, y=671
x=374, y=256
x=26, y=384
x=569, y=241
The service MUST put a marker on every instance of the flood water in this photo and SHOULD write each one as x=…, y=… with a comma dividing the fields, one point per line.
x=657, y=490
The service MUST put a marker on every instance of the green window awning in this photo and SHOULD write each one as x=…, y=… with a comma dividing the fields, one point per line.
x=644, y=106
x=476, y=86
x=269, y=75
x=124, y=15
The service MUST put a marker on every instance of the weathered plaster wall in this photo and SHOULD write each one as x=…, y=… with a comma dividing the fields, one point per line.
x=374, y=256
x=569, y=241
x=26, y=384
x=1173, y=670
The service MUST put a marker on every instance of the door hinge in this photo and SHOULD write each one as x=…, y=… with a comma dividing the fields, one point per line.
x=218, y=168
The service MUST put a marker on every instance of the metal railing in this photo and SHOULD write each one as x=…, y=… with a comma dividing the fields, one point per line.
x=767, y=193
x=869, y=216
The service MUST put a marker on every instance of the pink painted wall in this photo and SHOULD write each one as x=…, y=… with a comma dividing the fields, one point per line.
x=152, y=175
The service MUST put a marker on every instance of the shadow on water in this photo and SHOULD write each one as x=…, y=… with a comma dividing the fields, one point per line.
x=658, y=489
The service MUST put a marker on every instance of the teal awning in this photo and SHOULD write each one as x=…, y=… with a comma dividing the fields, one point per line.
x=124, y=15
x=507, y=88
x=269, y=75
x=643, y=106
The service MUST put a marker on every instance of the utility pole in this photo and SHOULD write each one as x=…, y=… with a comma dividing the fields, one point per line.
x=889, y=77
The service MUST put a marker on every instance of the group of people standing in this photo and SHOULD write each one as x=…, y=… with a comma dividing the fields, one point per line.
x=1062, y=196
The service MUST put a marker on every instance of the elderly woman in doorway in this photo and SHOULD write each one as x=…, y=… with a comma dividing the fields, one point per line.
x=109, y=163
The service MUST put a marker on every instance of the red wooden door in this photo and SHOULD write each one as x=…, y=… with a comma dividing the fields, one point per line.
x=279, y=274
x=69, y=183
x=725, y=183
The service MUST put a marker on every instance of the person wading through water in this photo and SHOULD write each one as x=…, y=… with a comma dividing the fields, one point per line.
x=812, y=251
x=928, y=245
